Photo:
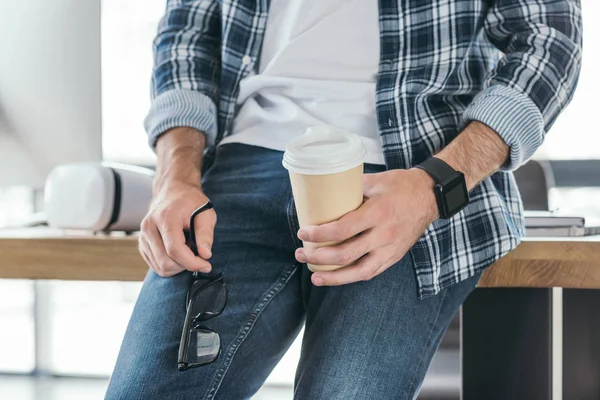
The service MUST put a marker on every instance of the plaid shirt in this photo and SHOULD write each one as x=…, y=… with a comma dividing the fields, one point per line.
x=511, y=64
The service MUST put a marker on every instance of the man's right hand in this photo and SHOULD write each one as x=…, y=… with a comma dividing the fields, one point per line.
x=177, y=194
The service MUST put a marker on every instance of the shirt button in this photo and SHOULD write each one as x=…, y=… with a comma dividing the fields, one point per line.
x=246, y=60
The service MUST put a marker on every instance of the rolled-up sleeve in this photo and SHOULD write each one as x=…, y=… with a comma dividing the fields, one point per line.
x=537, y=75
x=186, y=70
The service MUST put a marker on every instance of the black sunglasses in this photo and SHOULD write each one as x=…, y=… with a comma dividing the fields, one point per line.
x=206, y=299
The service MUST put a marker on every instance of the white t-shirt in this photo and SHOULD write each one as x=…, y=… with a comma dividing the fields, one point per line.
x=318, y=65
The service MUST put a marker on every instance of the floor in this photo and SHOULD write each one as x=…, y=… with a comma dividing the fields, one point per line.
x=441, y=383
x=29, y=388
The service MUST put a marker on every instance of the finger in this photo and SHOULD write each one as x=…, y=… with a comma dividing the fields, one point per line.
x=146, y=253
x=342, y=254
x=368, y=183
x=146, y=250
x=363, y=270
x=346, y=227
x=146, y=259
x=150, y=260
x=176, y=249
x=154, y=263
x=165, y=265
x=204, y=226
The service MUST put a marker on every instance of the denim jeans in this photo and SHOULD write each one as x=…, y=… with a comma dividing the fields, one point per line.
x=366, y=340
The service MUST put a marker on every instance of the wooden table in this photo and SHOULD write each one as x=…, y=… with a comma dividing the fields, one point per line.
x=45, y=254
x=509, y=328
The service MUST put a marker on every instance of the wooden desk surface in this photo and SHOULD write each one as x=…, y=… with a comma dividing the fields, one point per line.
x=46, y=254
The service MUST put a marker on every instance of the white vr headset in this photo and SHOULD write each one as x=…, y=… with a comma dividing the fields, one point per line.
x=98, y=196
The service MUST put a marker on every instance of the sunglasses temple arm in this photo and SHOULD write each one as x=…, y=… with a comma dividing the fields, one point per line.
x=183, y=344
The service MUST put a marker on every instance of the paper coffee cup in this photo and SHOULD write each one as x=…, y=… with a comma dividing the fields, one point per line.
x=326, y=167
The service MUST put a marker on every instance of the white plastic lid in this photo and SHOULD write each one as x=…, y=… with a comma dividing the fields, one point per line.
x=324, y=150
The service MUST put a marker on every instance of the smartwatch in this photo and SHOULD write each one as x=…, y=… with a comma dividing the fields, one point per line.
x=450, y=188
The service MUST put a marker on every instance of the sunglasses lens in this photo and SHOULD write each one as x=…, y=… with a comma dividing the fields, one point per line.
x=203, y=347
x=200, y=345
x=209, y=301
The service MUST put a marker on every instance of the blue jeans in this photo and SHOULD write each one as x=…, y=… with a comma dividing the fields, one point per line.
x=367, y=340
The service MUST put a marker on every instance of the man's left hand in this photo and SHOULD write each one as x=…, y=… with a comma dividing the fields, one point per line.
x=399, y=206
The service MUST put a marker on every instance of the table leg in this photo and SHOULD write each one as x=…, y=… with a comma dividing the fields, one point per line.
x=507, y=344
x=581, y=344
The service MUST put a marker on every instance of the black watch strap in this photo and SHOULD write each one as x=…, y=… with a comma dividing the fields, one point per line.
x=437, y=169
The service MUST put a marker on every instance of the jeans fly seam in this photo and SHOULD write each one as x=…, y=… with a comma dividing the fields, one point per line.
x=264, y=301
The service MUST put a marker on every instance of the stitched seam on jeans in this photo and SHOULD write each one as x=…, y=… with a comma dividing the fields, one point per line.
x=437, y=317
x=246, y=329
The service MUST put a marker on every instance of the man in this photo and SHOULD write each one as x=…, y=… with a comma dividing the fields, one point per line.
x=475, y=84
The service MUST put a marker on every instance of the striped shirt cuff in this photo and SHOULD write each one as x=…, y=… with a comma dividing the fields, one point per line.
x=181, y=108
x=514, y=116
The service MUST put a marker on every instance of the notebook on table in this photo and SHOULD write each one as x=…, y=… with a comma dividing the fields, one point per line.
x=555, y=224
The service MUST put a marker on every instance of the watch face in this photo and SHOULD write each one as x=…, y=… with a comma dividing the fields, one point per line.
x=454, y=195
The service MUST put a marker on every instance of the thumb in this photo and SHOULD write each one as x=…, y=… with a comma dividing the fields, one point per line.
x=204, y=226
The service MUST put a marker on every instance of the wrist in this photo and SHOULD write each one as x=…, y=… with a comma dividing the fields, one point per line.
x=478, y=151
x=166, y=181
x=177, y=169
x=426, y=194
x=179, y=152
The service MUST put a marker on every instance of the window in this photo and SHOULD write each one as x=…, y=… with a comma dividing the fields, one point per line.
x=17, y=342
x=128, y=28
x=87, y=318
x=576, y=135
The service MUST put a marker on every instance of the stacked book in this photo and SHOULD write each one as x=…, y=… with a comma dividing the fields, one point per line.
x=553, y=224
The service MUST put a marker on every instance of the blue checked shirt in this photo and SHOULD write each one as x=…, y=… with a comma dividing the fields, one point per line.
x=511, y=64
